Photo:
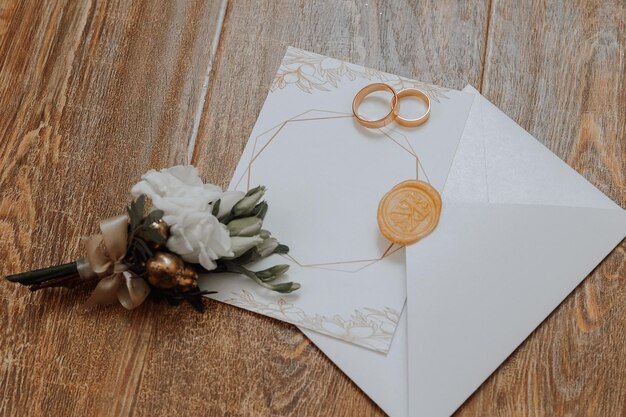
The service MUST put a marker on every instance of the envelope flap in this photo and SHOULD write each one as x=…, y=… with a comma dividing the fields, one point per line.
x=467, y=179
x=513, y=264
x=499, y=162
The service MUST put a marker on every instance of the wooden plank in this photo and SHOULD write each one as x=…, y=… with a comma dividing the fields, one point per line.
x=92, y=94
x=558, y=69
x=252, y=365
x=74, y=93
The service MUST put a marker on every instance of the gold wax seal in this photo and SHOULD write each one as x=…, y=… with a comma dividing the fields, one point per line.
x=409, y=211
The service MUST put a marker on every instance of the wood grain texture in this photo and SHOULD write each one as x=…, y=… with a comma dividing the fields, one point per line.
x=558, y=68
x=92, y=94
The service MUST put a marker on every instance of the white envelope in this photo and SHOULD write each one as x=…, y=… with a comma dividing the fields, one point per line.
x=519, y=231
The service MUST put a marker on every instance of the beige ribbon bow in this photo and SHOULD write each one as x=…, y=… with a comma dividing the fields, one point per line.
x=105, y=256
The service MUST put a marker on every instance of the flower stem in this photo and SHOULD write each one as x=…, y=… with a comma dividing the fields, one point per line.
x=44, y=274
x=285, y=287
x=66, y=281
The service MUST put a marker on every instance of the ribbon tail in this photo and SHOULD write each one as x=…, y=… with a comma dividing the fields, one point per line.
x=96, y=259
x=133, y=291
x=106, y=291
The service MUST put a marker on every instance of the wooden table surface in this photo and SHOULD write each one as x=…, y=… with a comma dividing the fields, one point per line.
x=94, y=93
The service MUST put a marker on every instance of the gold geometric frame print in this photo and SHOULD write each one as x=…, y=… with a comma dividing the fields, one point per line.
x=273, y=134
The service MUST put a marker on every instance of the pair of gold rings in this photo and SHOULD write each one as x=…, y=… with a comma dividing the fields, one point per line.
x=394, y=113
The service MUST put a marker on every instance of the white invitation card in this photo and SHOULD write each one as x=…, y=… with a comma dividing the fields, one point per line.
x=325, y=175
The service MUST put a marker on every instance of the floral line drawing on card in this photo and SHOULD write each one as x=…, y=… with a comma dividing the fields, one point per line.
x=313, y=72
x=368, y=327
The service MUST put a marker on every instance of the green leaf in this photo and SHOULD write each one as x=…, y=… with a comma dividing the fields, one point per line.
x=153, y=216
x=270, y=274
x=135, y=212
x=285, y=287
x=216, y=207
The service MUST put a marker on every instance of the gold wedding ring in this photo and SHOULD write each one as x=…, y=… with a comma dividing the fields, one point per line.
x=394, y=114
x=366, y=91
x=410, y=92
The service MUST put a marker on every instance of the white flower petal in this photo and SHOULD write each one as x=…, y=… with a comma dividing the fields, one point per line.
x=187, y=174
x=198, y=237
x=206, y=259
x=195, y=234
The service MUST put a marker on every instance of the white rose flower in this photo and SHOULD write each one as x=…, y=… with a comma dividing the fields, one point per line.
x=177, y=189
x=198, y=237
x=187, y=203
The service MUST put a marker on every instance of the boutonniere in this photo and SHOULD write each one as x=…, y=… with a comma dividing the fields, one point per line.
x=191, y=228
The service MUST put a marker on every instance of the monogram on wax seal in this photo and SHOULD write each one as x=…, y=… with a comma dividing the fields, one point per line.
x=409, y=212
